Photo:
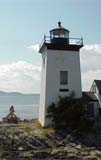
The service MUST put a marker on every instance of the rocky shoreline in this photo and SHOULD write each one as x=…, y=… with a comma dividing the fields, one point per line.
x=28, y=141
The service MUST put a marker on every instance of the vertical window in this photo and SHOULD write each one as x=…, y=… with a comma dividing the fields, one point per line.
x=64, y=77
x=94, y=88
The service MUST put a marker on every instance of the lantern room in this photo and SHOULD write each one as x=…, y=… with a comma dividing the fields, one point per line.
x=59, y=35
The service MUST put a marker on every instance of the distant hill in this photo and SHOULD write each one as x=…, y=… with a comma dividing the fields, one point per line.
x=2, y=93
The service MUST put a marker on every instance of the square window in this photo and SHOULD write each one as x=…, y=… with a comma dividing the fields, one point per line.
x=63, y=77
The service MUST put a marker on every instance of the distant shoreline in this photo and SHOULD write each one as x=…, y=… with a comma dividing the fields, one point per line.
x=2, y=93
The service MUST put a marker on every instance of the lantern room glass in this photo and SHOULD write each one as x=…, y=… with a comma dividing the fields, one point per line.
x=59, y=33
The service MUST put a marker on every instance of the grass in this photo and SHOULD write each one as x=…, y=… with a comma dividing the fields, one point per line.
x=31, y=128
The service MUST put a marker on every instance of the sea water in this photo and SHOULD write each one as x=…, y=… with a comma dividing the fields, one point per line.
x=26, y=106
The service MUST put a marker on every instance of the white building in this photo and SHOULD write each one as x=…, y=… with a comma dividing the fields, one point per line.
x=93, y=98
x=93, y=105
x=96, y=90
x=60, y=73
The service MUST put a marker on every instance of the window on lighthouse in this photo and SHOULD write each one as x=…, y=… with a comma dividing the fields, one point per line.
x=63, y=77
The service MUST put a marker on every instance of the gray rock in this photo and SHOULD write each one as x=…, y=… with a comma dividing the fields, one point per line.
x=92, y=153
x=98, y=153
x=90, y=158
x=78, y=146
x=72, y=156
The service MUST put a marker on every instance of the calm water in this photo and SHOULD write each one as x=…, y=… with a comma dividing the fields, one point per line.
x=26, y=106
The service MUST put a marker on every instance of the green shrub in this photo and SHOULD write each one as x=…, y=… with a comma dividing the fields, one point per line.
x=68, y=112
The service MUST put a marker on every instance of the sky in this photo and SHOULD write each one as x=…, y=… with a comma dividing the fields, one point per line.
x=22, y=26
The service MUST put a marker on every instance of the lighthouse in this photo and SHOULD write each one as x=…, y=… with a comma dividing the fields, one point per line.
x=60, y=71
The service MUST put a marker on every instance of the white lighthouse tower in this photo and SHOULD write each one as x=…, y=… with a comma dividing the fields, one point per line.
x=60, y=73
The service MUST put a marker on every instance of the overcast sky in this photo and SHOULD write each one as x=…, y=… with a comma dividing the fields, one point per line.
x=22, y=26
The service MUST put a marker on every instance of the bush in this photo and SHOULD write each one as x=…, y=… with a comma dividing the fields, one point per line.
x=68, y=112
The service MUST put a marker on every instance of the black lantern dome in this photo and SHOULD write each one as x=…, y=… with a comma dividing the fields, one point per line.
x=59, y=35
x=59, y=40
